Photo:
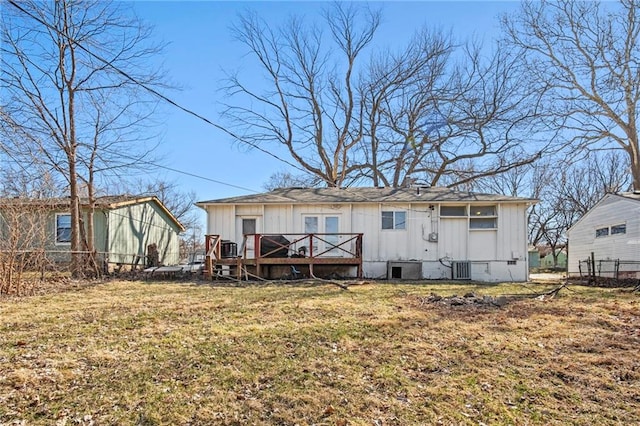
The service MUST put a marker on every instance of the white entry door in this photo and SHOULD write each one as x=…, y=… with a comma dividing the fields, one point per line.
x=324, y=224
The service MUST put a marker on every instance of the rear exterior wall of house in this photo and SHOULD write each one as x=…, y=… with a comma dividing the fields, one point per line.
x=491, y=237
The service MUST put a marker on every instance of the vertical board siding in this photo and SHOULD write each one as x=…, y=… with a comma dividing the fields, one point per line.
x=222, y=220
x=483, y=245
x=453, y=238
x=278, y=220
x=365, y=219
x=132, y=228
x=100, y=231
x=512, y=232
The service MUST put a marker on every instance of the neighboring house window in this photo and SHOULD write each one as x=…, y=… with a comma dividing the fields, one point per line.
x=602, y=232
x=63, y=228
x=619, y=229
x=394, y=220
x=453, y=211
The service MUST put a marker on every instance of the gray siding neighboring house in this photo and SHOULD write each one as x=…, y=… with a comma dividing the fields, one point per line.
x=124, y=226
x=610, y=230
x=424, y=229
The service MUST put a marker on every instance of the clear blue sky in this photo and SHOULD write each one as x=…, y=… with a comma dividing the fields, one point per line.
x=201, y=47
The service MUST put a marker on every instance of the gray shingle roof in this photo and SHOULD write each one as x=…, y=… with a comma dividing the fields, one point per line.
x=106, y=202
x=109, y=201
x=364, y=195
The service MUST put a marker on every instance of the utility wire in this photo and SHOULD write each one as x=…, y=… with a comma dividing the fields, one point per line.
x=164, y=98
x=150, y=89
x=160, y=166
x=170, y=101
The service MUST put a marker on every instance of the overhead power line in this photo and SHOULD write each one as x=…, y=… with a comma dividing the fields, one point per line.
x=169, y=101
x=151, y=89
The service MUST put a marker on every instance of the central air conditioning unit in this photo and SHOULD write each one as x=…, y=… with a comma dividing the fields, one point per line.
x=461, y=270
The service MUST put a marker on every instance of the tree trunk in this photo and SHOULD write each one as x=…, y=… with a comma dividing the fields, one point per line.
x=634, y=154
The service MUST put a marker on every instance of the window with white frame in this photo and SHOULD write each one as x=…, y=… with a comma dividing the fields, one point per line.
x=476, y=211
x=63, y=228
x=619, y=229
x=480, y=217
x=394, y=220
x=453, y=211
x=483, y=223
x=602, y=232
x=483, y=217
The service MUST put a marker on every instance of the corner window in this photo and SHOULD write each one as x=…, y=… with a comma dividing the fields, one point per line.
x=619, y=229
x=480, y=217
x=483, y=217
x=63, y=228
x=602, y=232
x=394, y=220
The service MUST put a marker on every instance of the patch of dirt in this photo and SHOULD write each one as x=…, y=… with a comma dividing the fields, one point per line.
x=468, y=300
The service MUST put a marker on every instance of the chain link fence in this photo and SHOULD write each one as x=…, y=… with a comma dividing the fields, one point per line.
x=609, y=268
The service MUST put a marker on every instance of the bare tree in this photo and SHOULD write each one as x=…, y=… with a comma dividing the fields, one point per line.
x=449, y=122
x=436, y=112
x=565, y=192
x=71, y=73
x=179, y=202
x=399, y=95
x=311, y=108
x=585, y=57
x=23, y=240
x=285, y=179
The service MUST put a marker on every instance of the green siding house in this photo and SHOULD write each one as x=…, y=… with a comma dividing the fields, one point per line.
x=547, y=261
x=124, y=227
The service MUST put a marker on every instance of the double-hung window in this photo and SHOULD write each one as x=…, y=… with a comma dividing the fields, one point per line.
x=394, y=220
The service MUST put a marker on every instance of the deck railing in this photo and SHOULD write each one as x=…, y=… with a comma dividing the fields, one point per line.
x=282, y=248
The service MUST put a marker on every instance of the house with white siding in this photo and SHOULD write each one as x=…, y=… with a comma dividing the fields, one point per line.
x=611, y=231
x=396, y=233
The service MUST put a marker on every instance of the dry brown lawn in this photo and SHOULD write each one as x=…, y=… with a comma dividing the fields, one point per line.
x=378, y=354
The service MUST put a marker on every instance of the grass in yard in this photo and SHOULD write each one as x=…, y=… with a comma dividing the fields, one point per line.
x=377, y=354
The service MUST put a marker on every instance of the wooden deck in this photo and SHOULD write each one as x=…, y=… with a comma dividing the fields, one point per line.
x=288, y=256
